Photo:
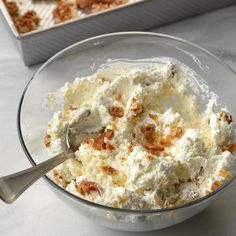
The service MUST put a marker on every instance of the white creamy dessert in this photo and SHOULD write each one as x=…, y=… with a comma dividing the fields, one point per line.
x=157, y=147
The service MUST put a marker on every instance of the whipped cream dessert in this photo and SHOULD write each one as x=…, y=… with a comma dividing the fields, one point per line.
x=152, y=141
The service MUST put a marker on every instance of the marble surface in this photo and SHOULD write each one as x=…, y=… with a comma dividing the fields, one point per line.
x=38, y=211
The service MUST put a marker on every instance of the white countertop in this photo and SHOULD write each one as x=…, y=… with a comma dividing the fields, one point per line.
x=38, y=211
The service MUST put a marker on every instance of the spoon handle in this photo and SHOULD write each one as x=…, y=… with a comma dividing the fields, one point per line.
x=12, y=186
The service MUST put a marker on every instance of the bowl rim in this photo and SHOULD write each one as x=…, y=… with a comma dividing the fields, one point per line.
x=93, y=204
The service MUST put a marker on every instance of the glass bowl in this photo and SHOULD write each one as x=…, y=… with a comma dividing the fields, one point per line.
x=85, y=57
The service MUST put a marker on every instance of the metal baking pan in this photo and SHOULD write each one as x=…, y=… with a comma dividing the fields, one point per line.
x=37, y=46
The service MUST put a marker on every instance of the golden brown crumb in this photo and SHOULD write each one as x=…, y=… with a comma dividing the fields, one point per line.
x=99, y=141
x=230, y=147
x=87, y=140
x=225, y=173
x=27, y=22
x=116, y=111
x=55, y=173
x=85, y=187
x=166, y=154
x=109, y=147
x=130, y=148
x=153, y=117
x=109, y=133
x=12, y=8
x=169, y=202
x=226, y=117
x=64, y=11
x=65, y=184
x=47, y=140
x=123, y=159
x=216, y=185
x=175, y=132
x=148, y=132
x=137, y=107
x=109, y=170
x=154, y=147
x=149, y=157
x=117, y=97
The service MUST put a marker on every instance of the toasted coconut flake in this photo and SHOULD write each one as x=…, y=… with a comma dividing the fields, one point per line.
x=86, y=187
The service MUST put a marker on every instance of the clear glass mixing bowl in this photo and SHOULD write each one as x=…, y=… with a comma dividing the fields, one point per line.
x=83, y=59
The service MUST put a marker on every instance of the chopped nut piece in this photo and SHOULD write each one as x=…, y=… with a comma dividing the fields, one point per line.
x=47, y=140
x=225, y=173
x=230, y=147
x=109, y=170
x=85, y=187
x=64, y=11
x=116, y=111
x=216, y=185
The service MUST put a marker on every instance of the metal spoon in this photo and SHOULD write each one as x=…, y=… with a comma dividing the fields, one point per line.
x=12, y=186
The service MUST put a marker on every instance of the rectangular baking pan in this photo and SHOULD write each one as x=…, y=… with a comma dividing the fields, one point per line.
x=38, y=46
